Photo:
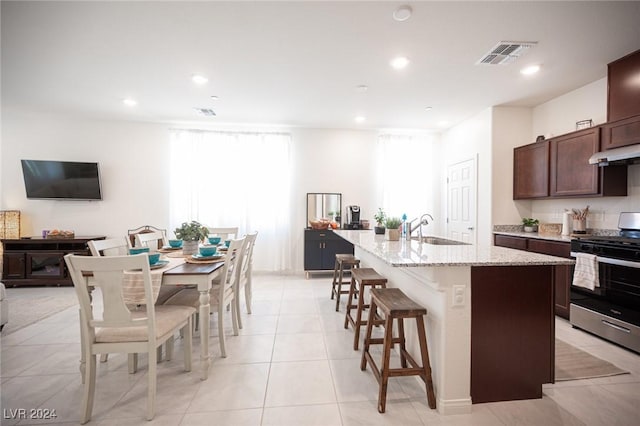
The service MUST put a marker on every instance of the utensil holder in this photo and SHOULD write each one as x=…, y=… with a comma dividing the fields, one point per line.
x=579, y=226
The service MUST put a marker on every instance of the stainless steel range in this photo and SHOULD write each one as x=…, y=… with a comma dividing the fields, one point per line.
x=612, y=310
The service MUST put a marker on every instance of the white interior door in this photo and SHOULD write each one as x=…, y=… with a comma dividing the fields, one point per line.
x=461, y=201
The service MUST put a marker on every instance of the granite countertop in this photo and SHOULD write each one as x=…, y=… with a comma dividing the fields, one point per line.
x=413, y=253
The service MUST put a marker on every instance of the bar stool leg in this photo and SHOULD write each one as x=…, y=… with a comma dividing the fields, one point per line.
x=367, y=336
x=352, y=290
x=340, y=277
x=403, y=347
x=386, y=358
x=361, y=307
x=422, y=337
x=335, y=275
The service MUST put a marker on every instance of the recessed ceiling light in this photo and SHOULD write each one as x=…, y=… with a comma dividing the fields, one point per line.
x=531, y=69
x=129, y=102
x=400, y=62
x=214, y=98
x=360, y=119
x=362, y=88
x=402, y=13
x=428, y=108
x=199, y=79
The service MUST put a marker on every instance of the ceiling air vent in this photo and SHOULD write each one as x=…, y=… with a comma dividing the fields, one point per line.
x=505, y=52
x=205, y=112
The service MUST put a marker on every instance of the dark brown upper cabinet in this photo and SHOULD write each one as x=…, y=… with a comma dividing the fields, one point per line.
x=559, y=168
x=531, y=171
x=571, y=173
x=623, y=99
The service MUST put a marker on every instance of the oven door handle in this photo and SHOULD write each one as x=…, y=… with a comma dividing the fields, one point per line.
x=616, y=326
x=611, y=261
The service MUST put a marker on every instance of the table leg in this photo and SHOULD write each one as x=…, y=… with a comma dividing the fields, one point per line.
x=205, y=310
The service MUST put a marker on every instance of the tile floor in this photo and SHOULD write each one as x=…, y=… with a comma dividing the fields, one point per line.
x=292, y=364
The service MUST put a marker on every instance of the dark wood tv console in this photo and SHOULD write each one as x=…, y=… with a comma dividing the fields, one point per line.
x=40, y=261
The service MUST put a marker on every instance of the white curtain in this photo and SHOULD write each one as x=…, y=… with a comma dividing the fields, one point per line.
x=235, y=179
x=406, y=178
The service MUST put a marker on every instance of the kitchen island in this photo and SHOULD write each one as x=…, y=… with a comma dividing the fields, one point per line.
x=490, y=322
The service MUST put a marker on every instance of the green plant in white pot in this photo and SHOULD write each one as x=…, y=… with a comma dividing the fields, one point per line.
x=392, y=233
x=530, y=224
x=379, y=217
x=191, y=233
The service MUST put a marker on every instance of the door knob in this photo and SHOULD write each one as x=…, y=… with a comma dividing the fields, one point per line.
x=470, y=228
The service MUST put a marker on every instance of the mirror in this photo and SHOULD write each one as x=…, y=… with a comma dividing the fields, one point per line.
x=324, y=205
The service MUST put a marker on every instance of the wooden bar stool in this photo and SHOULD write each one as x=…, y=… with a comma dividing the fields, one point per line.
x=396, y=305
x=360, y=279
x=342, y=261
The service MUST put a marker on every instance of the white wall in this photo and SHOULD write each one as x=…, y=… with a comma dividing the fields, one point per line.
x=133, y=161
x=511, y=127
x=559, y=116
x=472, y=139
x=132, y=157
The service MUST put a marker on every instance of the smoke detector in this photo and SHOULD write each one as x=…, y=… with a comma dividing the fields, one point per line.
x=402, y=13
x=506, y=52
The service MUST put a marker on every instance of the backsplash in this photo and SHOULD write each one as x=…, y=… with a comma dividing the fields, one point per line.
x=520, y=228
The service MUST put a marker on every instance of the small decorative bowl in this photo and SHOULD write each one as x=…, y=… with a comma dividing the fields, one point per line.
x=227, y=243
x=154, y=258
x=214, y=240
x=208, y=250
x=175, y=243
x=138, y=250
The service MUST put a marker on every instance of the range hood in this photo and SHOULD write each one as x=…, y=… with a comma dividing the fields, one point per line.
x=624, y=155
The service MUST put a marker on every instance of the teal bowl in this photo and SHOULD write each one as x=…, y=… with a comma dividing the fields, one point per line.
x=154, y=258
x=227, y=243
x=214, y=240
x=208, y=250
x=138, y=250
x=175, y=243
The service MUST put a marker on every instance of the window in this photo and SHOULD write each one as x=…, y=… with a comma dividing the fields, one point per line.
x=235, y=179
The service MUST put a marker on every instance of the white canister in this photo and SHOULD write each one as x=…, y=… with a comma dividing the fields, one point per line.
x=567, y=219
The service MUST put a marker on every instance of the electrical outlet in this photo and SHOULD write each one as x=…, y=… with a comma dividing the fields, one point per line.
x=458, y=296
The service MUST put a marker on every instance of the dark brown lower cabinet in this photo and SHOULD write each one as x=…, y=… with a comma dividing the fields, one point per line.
x=40, y=261
x=563, y=274
x=512, y=332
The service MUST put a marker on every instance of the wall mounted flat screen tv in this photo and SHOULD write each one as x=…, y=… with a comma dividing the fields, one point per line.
x=61, y=180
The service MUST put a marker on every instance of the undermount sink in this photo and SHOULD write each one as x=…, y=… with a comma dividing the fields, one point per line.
x=439, y=241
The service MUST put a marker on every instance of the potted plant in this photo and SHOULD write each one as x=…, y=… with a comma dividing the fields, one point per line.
x=191, y=233
x=379, y=217
x=392, y=225
x=530, y=224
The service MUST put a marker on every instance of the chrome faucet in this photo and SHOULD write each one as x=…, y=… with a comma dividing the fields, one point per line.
x=422, y=221
x=410, y=228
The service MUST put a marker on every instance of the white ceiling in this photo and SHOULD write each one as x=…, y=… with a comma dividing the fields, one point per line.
x=298, y=63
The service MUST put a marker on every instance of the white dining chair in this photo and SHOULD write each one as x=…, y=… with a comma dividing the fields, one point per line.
x=223, y=292
x=224, y=233
x=245, y=270
x=112, y=326
x=147, y=239
x=109, y=247
x=120, y=247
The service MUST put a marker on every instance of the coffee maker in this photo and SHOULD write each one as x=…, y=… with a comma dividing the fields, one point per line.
x=353, y=217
